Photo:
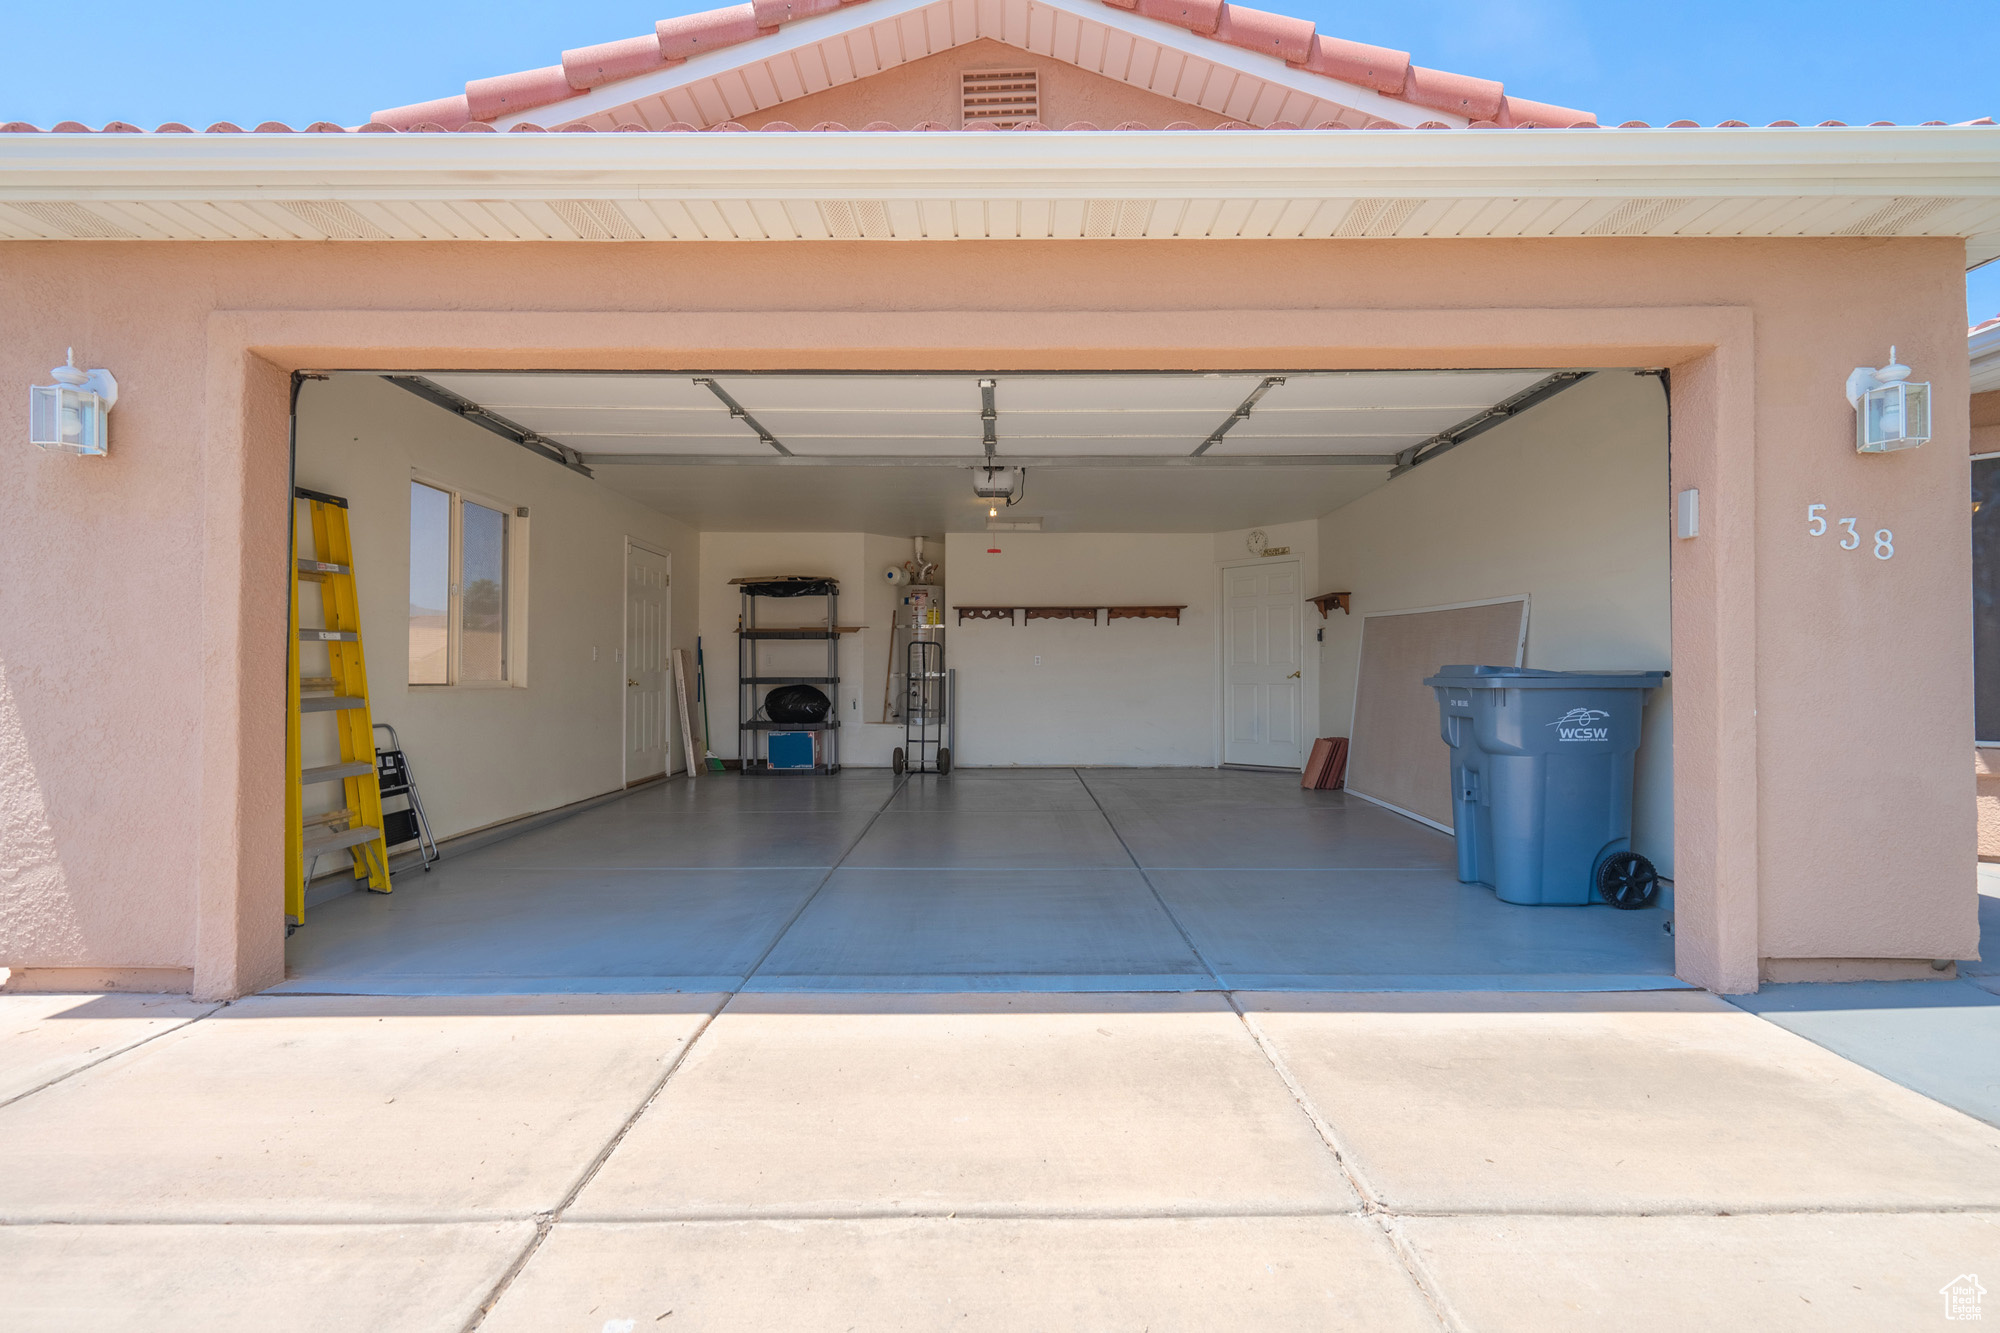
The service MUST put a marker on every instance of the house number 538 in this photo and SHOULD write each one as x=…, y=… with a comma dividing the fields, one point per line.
x=1816, y=524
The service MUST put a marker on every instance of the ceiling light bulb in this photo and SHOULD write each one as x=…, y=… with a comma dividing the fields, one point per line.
x=992, y=511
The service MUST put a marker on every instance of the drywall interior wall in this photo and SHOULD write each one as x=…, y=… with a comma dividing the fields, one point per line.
x=857, y=560
x=484, y=755
x=1131, y=693
x=1568, y=505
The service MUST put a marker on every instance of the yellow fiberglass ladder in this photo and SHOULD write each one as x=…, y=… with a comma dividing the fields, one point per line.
x=355, y=825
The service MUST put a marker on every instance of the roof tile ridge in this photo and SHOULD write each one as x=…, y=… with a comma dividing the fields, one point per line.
x=584, y=68
x=1390, y=72
x=1294, y=40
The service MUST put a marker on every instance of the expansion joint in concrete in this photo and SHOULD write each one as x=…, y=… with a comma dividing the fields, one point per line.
x=69, y=1074
x=546, y=1222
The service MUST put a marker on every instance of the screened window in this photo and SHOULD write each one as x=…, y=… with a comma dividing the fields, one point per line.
x=465, y=601
x=1986, y=598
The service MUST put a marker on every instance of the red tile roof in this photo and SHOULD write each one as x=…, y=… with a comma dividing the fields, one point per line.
x=834, y=126
x=1292, y=40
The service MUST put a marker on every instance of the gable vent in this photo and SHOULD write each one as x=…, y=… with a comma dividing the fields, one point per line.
x=338, y=221
x=595, y=220
x=77, y=221
x=1005, y=97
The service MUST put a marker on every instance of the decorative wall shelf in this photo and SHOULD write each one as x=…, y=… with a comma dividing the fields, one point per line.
x=1089, y=613
x=1326, y=601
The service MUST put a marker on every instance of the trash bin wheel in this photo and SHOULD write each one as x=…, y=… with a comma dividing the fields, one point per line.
x=896, y=761
x=944, y=761
x=1627, y=880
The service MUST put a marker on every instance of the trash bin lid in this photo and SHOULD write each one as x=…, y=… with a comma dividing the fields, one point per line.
x=1531, y=678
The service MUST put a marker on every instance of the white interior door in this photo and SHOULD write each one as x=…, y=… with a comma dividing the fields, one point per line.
x=648, y=680
x=1263, y=665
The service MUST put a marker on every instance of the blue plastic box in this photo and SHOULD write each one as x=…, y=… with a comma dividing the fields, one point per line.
x=791, y=749
x=1541, y=774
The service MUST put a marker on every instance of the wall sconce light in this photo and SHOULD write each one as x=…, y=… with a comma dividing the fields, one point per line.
x=1889, y=412
x=73, y=414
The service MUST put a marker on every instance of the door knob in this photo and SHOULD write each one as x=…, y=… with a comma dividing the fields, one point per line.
x=1293, y=676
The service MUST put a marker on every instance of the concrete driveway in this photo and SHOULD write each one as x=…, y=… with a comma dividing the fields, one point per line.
x=608, y=1163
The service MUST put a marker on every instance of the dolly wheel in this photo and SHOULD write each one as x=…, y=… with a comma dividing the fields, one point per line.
x=1628, y=880
x=944, y=761
x=896, y=761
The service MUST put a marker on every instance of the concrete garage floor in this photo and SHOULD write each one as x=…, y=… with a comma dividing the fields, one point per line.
x=815, y=1154
x=989, y=880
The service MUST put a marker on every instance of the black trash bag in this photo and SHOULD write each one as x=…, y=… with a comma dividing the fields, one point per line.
x=797, y=703
x=791, y=585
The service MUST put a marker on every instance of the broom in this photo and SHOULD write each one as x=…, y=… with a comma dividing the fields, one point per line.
x=701, y=694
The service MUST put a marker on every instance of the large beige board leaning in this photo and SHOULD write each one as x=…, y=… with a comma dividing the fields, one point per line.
x=681, y=702
x=1397, y=754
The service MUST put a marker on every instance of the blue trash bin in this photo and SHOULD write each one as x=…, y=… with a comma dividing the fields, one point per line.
x=1541, y=781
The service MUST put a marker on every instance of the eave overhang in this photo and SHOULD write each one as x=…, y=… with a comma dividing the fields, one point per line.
x=1938, y=181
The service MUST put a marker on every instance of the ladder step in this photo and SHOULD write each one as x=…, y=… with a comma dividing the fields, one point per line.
x=335, y=772
x=322, y=567
x=328, y=636
x=316, y=682
x=331, y=703
x=333, y=842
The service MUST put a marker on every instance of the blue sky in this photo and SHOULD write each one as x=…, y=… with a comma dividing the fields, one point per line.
x=1702, y=60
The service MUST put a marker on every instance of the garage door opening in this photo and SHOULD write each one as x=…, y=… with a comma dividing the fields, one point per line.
x=1152, y=592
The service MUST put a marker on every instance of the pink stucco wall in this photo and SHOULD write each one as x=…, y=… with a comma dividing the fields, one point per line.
x=1822, y=697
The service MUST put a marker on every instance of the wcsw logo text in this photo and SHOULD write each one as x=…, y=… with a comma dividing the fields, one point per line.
x=1581, y=724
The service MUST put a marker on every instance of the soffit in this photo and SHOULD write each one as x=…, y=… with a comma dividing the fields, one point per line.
x=1250, y=184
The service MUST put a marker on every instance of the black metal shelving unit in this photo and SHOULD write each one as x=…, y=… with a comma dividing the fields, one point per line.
x=754, y=730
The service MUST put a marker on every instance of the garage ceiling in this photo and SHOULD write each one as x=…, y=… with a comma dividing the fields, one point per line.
x=892, y=452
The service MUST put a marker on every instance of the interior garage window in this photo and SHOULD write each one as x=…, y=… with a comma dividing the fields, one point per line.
x=430, y=584
x=464, y=589
x=1986, y=597
x=482, y=601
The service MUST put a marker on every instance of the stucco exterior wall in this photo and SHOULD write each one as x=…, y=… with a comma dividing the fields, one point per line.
x=1986, y=422
x=141, y=721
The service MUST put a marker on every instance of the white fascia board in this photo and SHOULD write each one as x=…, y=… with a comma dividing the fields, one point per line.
x=1951, y=163
x=807, y=33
